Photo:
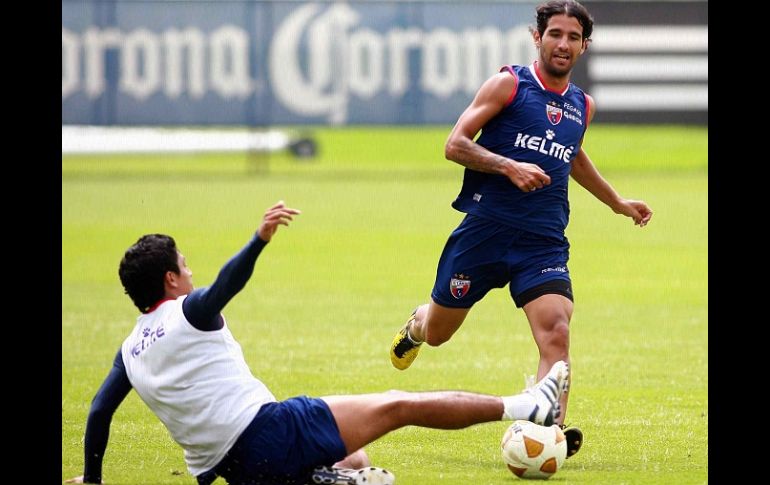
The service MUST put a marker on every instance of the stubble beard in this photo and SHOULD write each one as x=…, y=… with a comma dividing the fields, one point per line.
x=553, y=71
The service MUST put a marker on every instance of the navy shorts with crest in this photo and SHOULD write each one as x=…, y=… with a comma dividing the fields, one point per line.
x=482, y=254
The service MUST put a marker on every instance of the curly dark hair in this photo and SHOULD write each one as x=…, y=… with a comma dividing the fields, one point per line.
x=143, y=269
x=571, y=8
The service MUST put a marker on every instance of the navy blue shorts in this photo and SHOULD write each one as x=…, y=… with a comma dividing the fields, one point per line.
x=283, y=444
x=482, y=254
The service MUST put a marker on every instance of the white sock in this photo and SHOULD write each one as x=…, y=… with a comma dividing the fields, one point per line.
x=412, y=339
x=519, y=406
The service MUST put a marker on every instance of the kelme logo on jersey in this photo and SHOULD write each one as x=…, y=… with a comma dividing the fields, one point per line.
x=545, y=145
x=553, y=112
x=459, y=285
x=148, y=338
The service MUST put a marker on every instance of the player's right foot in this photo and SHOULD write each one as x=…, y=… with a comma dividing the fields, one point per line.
x=370, y=475
x=403, y=350
x=547, y=394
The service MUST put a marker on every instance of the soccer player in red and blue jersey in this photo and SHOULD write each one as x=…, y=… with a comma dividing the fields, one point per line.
x=532, y=121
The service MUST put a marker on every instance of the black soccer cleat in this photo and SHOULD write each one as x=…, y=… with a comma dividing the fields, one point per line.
x=574, y=439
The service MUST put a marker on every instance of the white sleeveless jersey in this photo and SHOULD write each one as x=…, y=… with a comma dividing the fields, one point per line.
x=196, y=382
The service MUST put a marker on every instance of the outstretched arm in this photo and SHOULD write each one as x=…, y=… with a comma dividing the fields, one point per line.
x=203, y=306
x=460, y=147
x=114, y=389
x=585, y=173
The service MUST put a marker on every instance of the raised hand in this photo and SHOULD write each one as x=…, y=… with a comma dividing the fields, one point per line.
x=276, y=215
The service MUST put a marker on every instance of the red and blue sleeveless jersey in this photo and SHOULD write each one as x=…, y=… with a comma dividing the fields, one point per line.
x=538, y=126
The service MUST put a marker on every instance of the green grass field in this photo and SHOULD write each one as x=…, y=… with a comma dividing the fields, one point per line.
x=329, y=292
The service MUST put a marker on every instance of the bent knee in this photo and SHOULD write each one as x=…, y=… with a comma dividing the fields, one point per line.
x=557, y=337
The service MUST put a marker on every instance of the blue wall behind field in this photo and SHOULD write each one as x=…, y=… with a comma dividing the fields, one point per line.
x=240, y=62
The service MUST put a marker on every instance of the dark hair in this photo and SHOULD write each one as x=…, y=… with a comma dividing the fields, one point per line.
x=143, y=269
x=571, y=8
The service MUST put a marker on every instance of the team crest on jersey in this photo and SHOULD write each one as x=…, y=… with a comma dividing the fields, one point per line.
x=459, y=285
x=553, y=112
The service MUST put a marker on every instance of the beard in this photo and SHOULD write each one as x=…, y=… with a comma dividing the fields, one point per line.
x=556, y=71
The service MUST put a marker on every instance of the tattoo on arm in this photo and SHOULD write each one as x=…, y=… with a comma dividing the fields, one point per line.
x=475, y=157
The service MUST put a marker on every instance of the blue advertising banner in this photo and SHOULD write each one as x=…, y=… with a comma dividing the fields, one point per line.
x=257, y=63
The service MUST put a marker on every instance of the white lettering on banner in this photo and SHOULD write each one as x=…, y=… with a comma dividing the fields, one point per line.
x=140, y=45
x=365, y=75
x=175, y=41
x=95, y=43
x=485, y=48
x=322, y=93
x=70, y=63
x=399, y=42
x=320, y=58
x=230, y=62
x=440, y=78
x=142, y=52
x=317, y=60
x=450, y=62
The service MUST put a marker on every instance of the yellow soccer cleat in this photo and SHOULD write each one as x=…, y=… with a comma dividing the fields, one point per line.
x=403, y=350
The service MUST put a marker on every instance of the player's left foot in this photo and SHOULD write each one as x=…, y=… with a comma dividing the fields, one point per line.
x=404, y=350
x=371, y=475
x=574, y=439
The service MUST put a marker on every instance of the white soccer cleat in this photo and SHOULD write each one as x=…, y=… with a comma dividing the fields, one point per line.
x=547, y=394
x=370, y=475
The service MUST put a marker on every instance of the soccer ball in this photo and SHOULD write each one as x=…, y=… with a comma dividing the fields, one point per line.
x=533, y=451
